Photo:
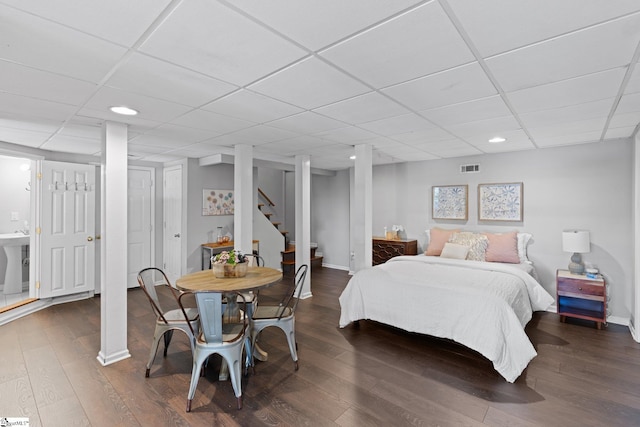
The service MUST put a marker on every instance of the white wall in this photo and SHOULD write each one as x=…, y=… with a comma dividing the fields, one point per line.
x=202, y=229
x=587, y=186
x=330, y=218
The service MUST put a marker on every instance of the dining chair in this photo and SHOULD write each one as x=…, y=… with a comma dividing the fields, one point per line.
x=222, y=333
x=282, y=315
x=183, y=319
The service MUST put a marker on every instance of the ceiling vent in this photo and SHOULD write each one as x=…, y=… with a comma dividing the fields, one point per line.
x=469, y=168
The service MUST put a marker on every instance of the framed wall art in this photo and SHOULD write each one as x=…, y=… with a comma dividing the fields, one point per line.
x=450, y=201
x=217, y=202
x=500, y=202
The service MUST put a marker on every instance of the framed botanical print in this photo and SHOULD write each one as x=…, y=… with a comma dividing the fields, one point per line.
x=217, y=202
x=450, y=201
x=500, y=202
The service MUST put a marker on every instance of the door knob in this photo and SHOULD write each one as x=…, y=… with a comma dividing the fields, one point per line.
x=176, y=235
x=89, y=239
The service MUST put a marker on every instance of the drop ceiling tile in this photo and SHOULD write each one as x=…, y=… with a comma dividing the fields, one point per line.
x=261, y=134
x=158, y=79
x=148, y=108
x=633, y=85
x=414, y=44
x=82, y=131
x=25, y=122
x=25, y=81
x=584, y=89
x=42, y=44
x=625, y=120
x=469, y=111
x=226, y=45
x=306, y=22
x=73, y=144
x=429, y=135
x=629, y=103
x=584, y=52
x=620, y=132
x=136, y=124
x=399, y=124
x=514, y=138
x=143, y=149
x=448, y=87
x=23, y=136
x=589, y=110
x=530, y=22
x=485, y=128
x=346, y=135
x=201, y=119
x=32, y=107
x=381, y=143
x=568, y=139
x=163, y=158
x=307, y=122
x=184, y=134
x=446, y=153
x=166, y=142
x=98, y=18
x=252, y=106
x=309, y=84
x=364, y=108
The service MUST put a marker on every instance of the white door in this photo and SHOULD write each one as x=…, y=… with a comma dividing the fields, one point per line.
x=67, y=226
x=140, y=223
x=172, y=203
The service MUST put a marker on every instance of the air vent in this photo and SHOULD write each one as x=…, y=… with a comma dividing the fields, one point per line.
x=469, y=168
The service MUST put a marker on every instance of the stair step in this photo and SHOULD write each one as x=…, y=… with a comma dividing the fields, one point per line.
x=260, y=205
x=276, y=224
x=288, y=262
x=268, y=215
x=284, y=232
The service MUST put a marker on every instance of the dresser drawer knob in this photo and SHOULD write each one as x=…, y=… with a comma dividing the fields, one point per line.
x=580, y=288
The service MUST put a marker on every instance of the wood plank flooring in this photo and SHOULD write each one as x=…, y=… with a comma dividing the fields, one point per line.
x=371, y=375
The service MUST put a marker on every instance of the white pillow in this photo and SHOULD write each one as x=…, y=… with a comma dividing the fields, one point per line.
x=455, y=251
x=523, y=242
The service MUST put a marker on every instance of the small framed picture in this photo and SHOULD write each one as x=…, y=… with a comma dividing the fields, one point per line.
x=450, y=201
x=500, y=202
x=217, y=202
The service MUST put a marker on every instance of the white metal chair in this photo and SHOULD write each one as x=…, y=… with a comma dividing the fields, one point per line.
x=181, y=318
x=282, y=315
x=222, y=333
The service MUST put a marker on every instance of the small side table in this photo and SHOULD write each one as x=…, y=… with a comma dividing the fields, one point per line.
x=581, y=297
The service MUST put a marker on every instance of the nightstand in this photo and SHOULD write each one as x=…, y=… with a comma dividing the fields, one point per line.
x=581, y=297
x=385, y=249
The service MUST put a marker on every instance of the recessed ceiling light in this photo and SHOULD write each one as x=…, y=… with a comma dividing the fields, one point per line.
x=352, y=157
x=125, y=111
x=497, y=139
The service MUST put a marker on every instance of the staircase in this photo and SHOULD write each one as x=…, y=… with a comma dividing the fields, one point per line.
x=289, y=259
x=288, y=262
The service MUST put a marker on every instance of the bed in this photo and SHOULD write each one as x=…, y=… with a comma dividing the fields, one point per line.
x=482, y=305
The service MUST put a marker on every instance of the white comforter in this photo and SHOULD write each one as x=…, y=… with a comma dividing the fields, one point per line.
x=483, y=305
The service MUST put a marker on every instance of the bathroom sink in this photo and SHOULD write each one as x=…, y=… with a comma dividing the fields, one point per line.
x=14, y=239
x=13, y=275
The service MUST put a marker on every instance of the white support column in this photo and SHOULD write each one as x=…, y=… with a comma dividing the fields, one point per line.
x=303, y=219
x=634, y=324
x=113, y=263
x=243, y=195
x=362, y=215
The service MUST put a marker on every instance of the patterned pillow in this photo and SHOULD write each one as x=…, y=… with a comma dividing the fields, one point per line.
x=477, y=244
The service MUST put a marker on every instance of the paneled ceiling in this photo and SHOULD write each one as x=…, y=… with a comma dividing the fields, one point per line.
x=418, y=80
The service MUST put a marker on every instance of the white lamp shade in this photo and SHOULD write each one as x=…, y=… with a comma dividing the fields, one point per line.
x=576, y=241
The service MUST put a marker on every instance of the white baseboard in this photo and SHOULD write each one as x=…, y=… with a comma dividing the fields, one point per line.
x=337, y=267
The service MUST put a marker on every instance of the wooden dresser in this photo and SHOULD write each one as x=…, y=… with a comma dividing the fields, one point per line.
x=384, y=249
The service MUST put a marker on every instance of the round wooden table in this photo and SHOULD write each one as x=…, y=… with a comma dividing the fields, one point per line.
x=205, y=280
x=256, y=278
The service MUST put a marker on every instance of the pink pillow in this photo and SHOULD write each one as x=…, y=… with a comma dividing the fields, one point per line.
x=437, y=238
x=502, y=248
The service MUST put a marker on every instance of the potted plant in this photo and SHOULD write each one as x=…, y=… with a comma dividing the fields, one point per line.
x=229, y=264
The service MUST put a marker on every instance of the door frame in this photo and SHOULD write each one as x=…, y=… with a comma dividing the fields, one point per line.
x=182, y=167
x=152, y=249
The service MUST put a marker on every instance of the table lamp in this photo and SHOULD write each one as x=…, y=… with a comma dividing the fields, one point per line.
x=576, y=241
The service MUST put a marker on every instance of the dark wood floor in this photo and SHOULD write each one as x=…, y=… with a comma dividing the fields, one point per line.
x=373, y=375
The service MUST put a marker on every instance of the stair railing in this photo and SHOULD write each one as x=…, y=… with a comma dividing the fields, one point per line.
x=266, y=197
